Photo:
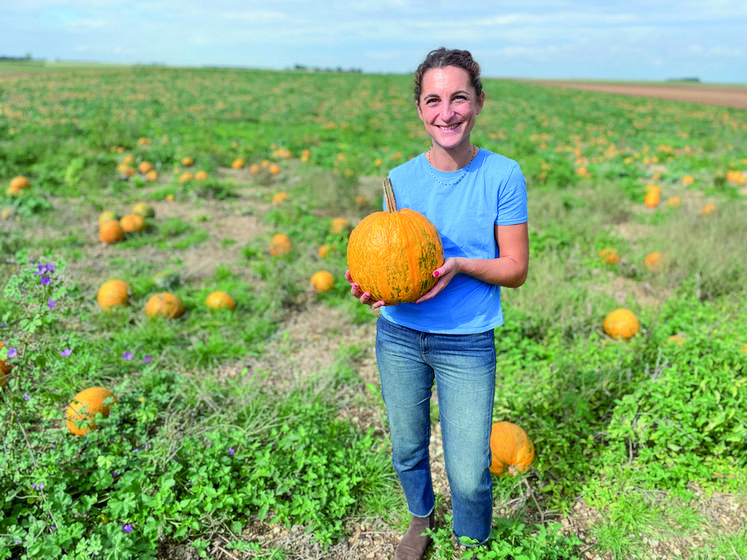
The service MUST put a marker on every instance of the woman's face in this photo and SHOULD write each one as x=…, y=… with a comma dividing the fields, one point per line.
x=448, y=105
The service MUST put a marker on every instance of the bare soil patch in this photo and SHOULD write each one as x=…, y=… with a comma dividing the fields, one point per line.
x=725, y=96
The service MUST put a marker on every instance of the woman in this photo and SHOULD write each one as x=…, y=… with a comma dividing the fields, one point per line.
x=477, y=201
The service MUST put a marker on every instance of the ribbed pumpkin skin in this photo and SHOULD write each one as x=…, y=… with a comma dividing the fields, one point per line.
x=112, y=293
x=393, y=254
x=511, y=449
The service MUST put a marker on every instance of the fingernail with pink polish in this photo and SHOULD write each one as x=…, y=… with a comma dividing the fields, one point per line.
x=435, y=273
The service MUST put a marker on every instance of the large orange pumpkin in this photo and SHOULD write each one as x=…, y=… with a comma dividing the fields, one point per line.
x=621, y=323
x=84, y=408
x=112, y=293
x=165, y=304
x=392, y=254
x=511, y=450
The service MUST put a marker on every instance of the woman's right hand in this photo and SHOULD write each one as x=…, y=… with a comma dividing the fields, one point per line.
x=360, y=295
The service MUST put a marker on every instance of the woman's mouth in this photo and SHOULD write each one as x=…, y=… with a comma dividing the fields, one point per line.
x=449, y=127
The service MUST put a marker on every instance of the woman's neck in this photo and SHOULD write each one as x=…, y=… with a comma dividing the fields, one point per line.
x=451, y=160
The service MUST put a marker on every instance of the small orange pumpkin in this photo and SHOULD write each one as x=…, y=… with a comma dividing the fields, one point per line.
x=238, y=163
x=322, y=281
x=340, y=225
x=5, y=368
x=85, y=406
x=19, y=183
x=220, y=300
x=392, y=254
x=111, y=232
x=279, y=197
x=144, y=209
x=186, y=177
x=164, y=304
x=280, y=245
x=654, y=261
x=187, y=161
x=652, y=199
x=112, y=293
x=132, y=223
x=108, y=216
x=144, y=166
x=621, y=324
x=708, y=209
x=609, y=255
x=511, y=450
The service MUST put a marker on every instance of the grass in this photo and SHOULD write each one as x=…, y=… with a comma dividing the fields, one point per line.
x=270, y=416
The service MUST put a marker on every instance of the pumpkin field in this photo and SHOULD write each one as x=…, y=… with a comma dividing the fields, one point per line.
x=185, y=374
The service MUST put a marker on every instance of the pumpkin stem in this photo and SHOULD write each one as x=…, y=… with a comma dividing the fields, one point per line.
x=391, y=203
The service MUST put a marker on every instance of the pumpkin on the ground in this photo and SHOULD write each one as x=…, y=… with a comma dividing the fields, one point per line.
x=5, y=368
x=20, y=182
x=108, y=216
x=654, y=261
x=164, y=304
x=85, y=406
x=392, y=254
x=609, y=255
x=111, y=232
x=511, y=450
x=621, y=324
x=322, y=281
x=280, y=245
x=132, y=223
x=220, y=300
x=340, y=225
x=144, y=209
x=113, y=293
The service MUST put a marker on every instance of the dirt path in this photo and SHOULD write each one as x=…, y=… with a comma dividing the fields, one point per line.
x=725, y=96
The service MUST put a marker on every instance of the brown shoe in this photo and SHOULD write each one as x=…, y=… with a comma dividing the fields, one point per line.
x=413, y=544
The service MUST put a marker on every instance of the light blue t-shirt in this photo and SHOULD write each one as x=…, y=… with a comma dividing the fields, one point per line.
x=465, y=206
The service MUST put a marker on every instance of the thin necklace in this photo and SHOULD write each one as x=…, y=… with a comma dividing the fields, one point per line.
x=473, y=150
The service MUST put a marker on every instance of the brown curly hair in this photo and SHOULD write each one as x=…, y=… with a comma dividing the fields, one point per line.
x=443, y=57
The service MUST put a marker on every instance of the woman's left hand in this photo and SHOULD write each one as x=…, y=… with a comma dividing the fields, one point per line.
x=444, y=274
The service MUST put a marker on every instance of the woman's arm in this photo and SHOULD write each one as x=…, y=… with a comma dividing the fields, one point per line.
x=509, y=270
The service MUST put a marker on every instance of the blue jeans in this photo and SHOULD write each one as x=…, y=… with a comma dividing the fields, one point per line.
x=463, y=368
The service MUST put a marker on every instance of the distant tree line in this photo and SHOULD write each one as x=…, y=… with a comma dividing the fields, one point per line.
x=16, y=58
x=304, y=68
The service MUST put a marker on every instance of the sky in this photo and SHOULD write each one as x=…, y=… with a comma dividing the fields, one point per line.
x=649, y=40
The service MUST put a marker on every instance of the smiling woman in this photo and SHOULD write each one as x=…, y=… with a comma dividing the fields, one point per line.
x=477, y=201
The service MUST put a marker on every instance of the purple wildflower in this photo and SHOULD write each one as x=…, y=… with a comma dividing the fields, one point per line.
x=26, y=397
x=51, y=303
x=231, y=451
x=12, y=352
x=45, y=280
x=147, y=358
x=127, y=527
x=127, y=355
x=66, y=352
